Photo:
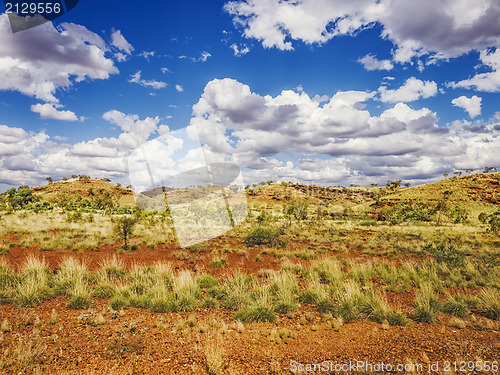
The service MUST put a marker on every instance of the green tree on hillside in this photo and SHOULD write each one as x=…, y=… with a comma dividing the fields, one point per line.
x=20, y=198
x=124, y=227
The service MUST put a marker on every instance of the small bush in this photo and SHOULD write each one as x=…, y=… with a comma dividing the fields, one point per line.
x=427, y=306
x=456, y=306
x=207, y=282
x=327, y=306
x=104, y=291
x=124, y=227
x=490, y=300
x=397, y=319
x=79, y=302
x=218, y=263
x=210, y=303
x=310, y=296
x=33, y=286
x=305, y=255
x=235, y=292
x=263, y=236
x=112, y=270
x=118, y=303
x=446, y=253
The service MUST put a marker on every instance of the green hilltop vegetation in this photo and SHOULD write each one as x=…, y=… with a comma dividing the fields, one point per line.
x=458, y=199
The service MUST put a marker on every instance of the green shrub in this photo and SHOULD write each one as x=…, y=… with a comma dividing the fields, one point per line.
x=397, y=319
x=235, y=292
x=33, y=286
x=495, y=223
x=310, y=296
x=427, y=306
x=446, y=253
x=282, y=292
x=263, y=236
x=457, y=306
x=118, y=302
x=71, y=273
x=216, y=292
x=210, y=303
x=104, y=291
x=218, y=263
x=7, y=277
x=490, y=301
x=79, y=302
x=207, y=282
x=460, y=215
x=327, y=306
x=113, y=273
x=305, y=255
x=124, y=227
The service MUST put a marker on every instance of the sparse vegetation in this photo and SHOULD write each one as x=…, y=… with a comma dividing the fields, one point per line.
x=388, y=258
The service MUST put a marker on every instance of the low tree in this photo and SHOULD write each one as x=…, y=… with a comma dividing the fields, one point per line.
x=124, y=227
x=393, y=185
x=20, y=198
x=105, y=200
x=50, y=179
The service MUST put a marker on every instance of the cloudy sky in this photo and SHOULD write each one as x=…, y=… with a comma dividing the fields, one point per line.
x=320, y=91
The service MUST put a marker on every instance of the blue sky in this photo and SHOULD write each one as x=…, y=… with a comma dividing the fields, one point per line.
x=319, y=91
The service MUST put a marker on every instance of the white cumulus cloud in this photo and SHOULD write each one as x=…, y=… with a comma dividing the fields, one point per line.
x=413, y=89
x=488, y=82
x=136, y=78
x=443, y=29
x=48, y=110
x=239, y=51
x=370, y=62
x=119, y=41
x=39, y=61
x=471, y=105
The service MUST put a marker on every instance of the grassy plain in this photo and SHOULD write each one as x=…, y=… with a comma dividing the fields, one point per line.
x=402, y=275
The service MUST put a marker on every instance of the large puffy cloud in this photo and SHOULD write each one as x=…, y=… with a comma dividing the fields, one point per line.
x=291, y=136
x=444, y=28
x=334, y=141
x=48, y=110
x=38, y=61
x=413, y=89
x=489, y=81
x=471, y=105
x=28, y=158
